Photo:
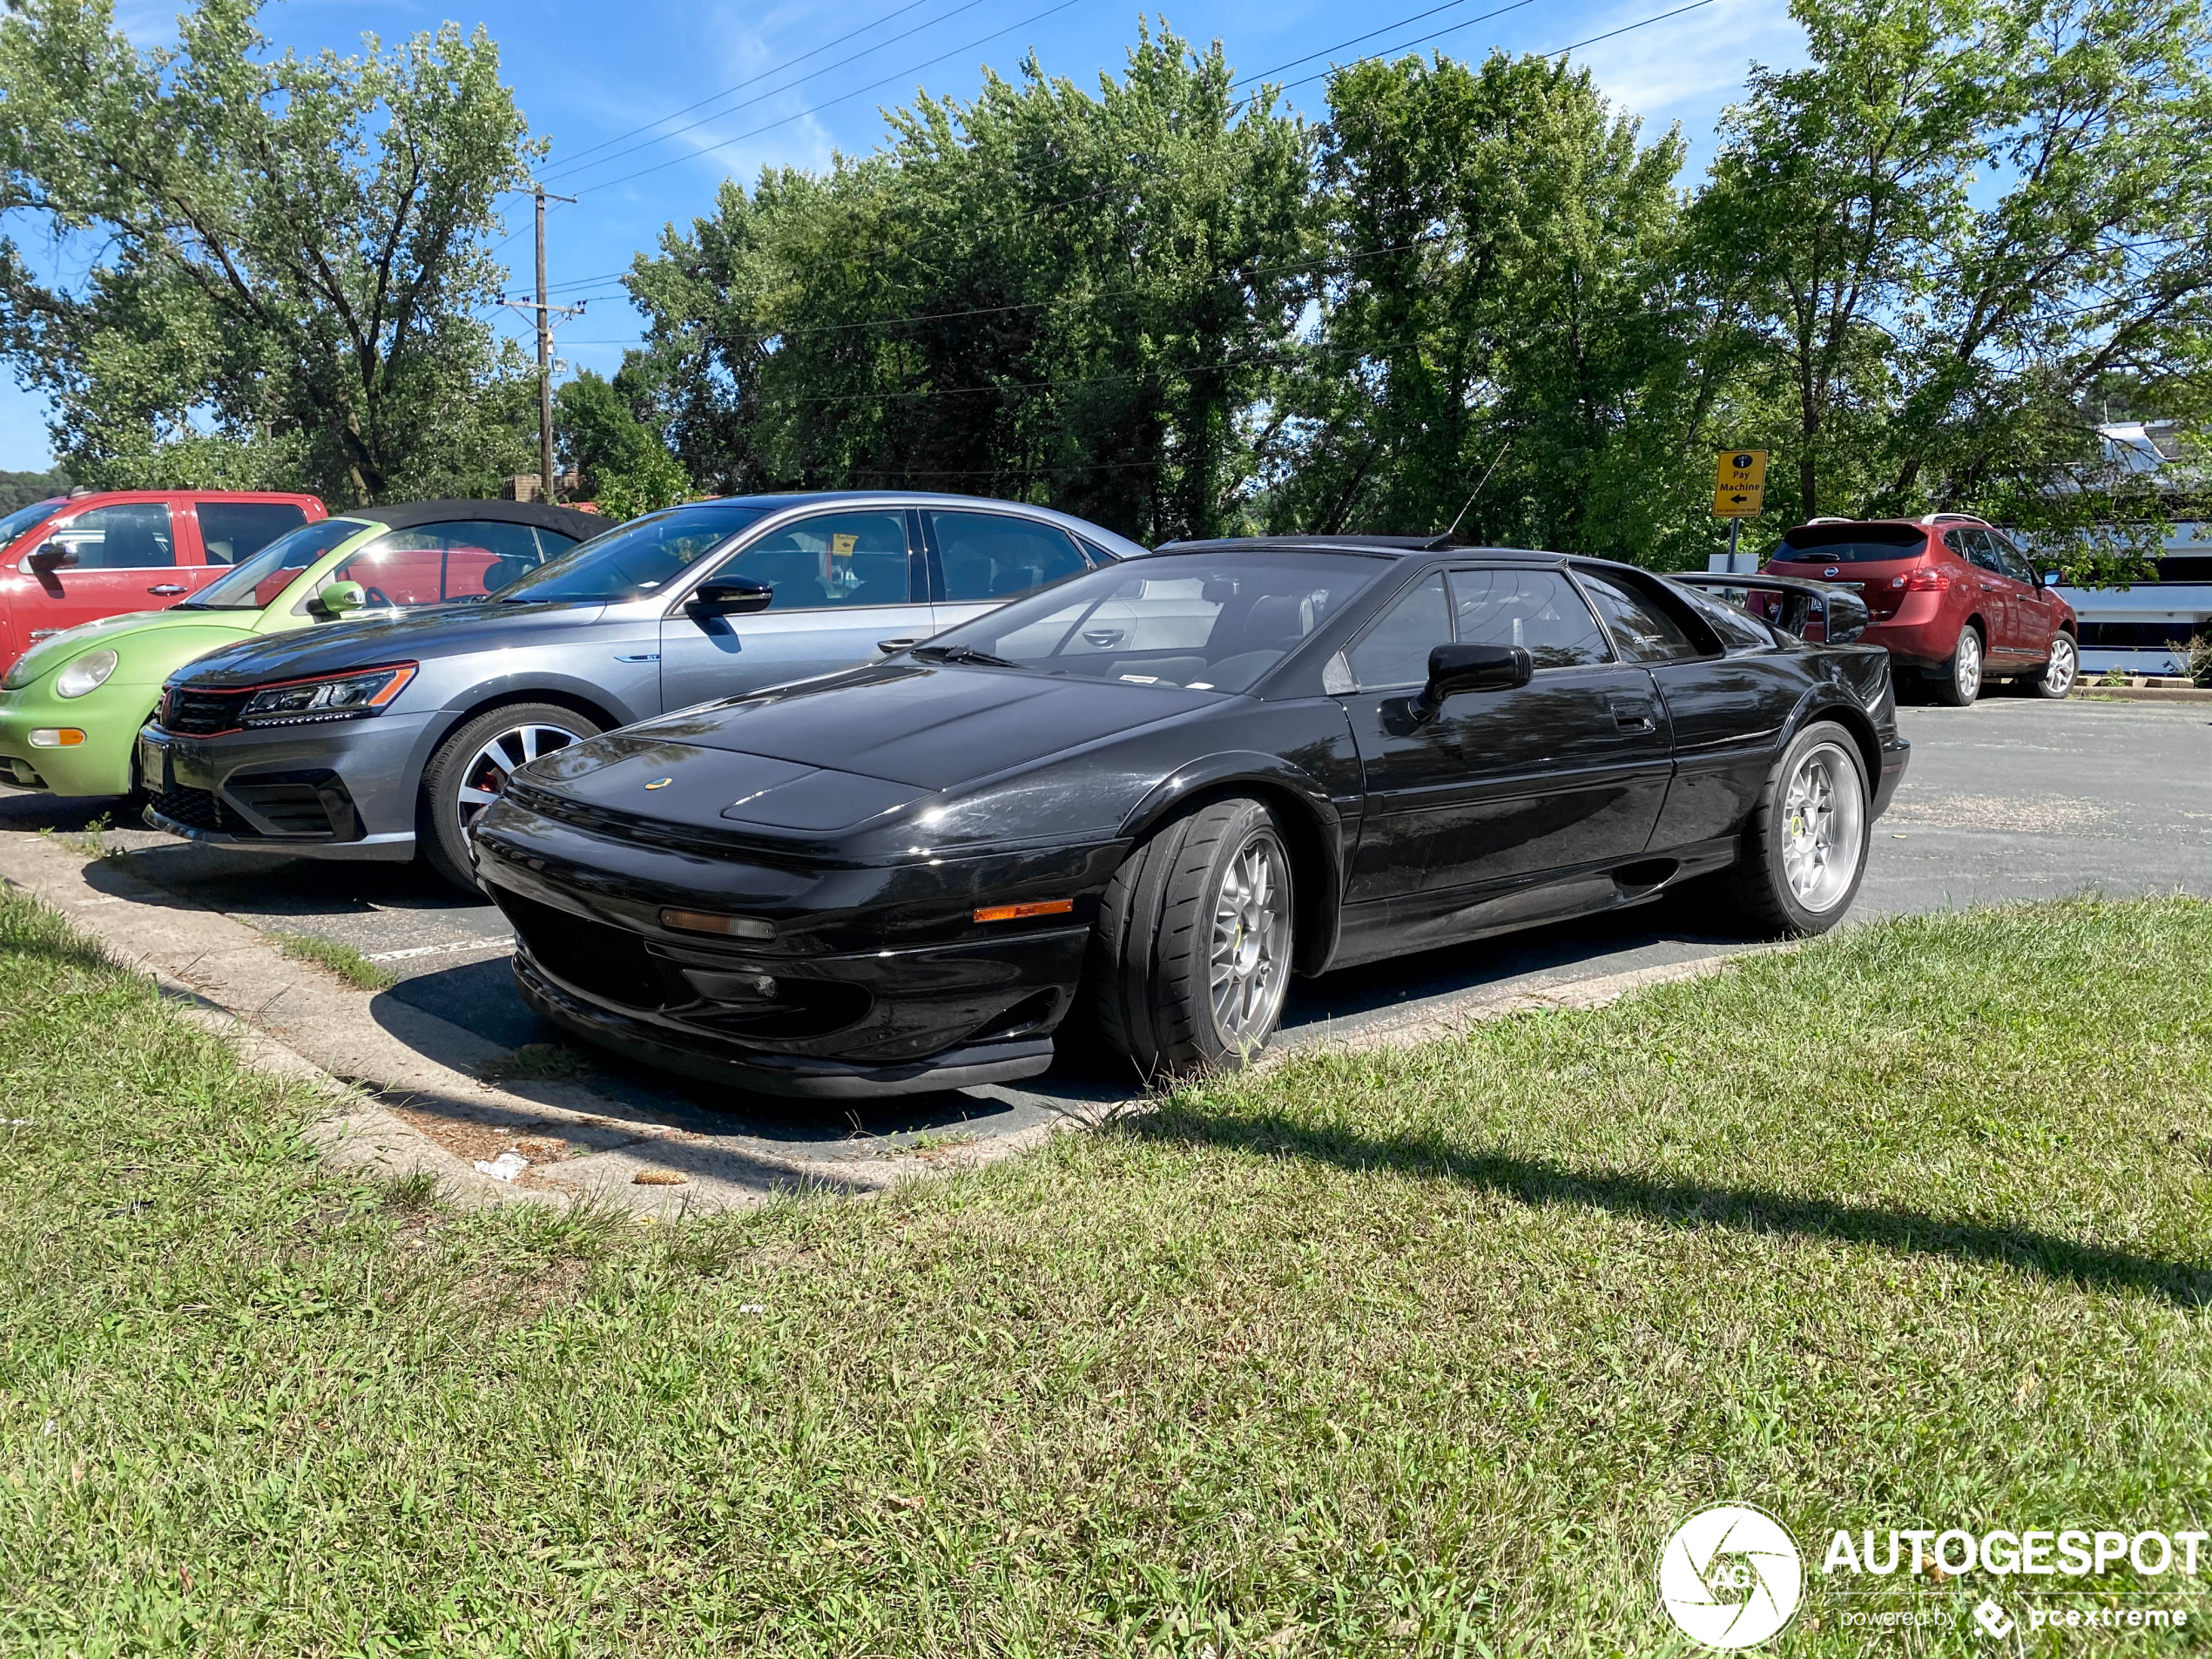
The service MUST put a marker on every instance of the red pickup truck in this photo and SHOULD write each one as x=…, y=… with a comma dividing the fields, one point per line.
x=101, y=553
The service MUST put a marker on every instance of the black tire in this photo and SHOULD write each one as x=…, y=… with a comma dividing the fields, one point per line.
x=1762, y=888
x=441, y=835
x=2061, y=673
x=1152, y=953
x=1958, y=682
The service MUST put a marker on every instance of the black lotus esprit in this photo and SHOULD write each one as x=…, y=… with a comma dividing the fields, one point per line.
x=1159, y=790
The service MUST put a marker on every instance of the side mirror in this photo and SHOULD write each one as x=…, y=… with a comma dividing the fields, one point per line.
x=1454, y=669
x=1847, y=616
x=336, y=600
x=52, y=555
x=735, y=596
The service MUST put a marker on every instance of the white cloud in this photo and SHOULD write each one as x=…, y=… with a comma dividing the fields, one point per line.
x=1686, y=59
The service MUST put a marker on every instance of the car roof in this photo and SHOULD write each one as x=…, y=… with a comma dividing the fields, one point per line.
x=781, y=501
x=1388, y=547
x=400, y=515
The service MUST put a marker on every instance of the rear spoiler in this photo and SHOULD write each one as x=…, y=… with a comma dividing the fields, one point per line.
x=1840, y=613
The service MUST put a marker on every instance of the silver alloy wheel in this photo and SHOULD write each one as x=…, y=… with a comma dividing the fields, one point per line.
x=1823, y=827
x=485, y=777
x=2065, y=663
x=1966, y=665
x=1248, y=967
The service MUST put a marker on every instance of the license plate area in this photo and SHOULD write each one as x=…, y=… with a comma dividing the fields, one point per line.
x=153, y=765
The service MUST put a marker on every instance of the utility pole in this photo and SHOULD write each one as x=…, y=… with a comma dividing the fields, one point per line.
x=543, y=313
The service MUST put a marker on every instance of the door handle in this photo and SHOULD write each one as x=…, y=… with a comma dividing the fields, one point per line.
x=889, y=645
x=1634, y=716
x=167, y=587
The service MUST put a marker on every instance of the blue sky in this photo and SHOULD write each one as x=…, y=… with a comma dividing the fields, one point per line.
x=586, y=75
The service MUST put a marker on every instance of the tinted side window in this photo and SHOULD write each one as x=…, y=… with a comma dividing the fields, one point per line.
x=130, y=535
x=1644, y=632
x=1097, y=555
x=231, y=530
x=996, y=555
x=1395, y=650
x=1974, y=545
x=1538, y=611
x=2016, y=566
x=834, y=560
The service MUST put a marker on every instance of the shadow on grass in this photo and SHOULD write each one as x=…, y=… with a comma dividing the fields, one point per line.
x=1750, y=1210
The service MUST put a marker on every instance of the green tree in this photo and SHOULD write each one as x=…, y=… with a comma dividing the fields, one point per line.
x=623, y=464
x=1927, y=253
x=1501, y=336
x=293, y=259
x=1047, y=294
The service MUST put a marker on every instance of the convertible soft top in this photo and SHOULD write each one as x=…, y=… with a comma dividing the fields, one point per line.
x=401, y=515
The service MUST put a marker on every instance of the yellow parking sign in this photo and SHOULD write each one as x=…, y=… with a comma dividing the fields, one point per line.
x=1739, y=484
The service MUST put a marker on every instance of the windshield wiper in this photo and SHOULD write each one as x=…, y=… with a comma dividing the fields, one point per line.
x=963, y=654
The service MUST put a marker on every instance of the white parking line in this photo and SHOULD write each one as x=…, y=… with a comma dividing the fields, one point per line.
x=501, y=945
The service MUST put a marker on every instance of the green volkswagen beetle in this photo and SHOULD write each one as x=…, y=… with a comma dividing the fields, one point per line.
x=71, y=709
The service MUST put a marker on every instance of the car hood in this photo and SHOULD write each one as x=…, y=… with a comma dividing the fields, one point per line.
x=850, y=750
x=929, y=726
x=110, y=631
x=430, y=632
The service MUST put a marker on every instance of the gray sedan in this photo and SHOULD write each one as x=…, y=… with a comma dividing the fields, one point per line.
x=384, y=737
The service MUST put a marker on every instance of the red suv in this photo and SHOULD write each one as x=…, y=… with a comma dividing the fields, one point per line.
x=100, y=553
x=1949, y=595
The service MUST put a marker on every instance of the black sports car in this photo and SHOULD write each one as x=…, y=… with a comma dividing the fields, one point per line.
x=1160, y=790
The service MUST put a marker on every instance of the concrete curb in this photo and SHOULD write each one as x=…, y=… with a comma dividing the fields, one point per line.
x=2090, y=689
x=393, y=1068
x=377, y=1065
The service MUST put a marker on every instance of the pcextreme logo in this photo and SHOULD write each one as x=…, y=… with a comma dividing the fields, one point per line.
x=1731, y=1576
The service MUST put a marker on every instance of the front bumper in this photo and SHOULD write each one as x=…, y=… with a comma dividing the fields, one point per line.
x=877, y=983
x=805, y=1077
x=108, y=719
x=342, y=790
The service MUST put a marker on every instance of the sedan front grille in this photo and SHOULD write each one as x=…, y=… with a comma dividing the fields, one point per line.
x=199, y=809
x=199, y=714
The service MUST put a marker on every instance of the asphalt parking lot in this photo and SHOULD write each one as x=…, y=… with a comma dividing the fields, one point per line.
x=2012, y=798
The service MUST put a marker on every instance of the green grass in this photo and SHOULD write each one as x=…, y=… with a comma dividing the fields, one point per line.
x=342, y=960
x=1419, y=1353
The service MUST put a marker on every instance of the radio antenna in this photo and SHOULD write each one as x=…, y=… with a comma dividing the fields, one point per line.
x=1462, y=513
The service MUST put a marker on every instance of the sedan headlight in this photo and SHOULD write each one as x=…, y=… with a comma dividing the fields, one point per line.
x=87, y=673
x=340, y=696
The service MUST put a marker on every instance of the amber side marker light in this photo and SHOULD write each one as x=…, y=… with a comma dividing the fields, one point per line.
x=67, y=737
x=1016, y=912
x=699, y=921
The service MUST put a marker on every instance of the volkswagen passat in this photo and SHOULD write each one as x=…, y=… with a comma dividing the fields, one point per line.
x=1165, y=786
x=385, y=738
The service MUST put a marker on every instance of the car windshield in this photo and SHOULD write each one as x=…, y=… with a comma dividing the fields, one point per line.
x=255, y=584
x=1850, y=543
x=635, y=559
x=24, y=517
x=1210, y=622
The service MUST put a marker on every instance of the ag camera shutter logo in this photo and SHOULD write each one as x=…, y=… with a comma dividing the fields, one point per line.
x=1731, y=1576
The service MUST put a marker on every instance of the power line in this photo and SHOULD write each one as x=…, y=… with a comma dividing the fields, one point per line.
x=739, y=86
x=1245, y=80
x=1437, y=34
x=1321, y=75
x=841, y=97
x=968, y=5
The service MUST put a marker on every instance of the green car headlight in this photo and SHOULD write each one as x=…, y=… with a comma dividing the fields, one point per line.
x=87, y=673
